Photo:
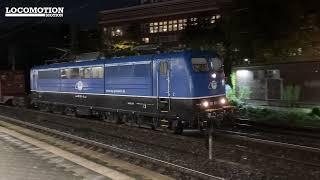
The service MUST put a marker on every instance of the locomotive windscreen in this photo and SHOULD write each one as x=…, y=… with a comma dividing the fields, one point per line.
x=200, y=65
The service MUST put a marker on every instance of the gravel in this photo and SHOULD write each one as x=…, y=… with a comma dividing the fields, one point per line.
x=233, y=159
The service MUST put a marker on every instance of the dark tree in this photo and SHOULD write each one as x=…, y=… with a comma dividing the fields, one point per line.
x=261, y=31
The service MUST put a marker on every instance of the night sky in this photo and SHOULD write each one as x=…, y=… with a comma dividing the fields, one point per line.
x=31, y=36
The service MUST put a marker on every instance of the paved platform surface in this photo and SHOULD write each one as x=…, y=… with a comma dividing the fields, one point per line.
x=22, y=161
x=29, y=155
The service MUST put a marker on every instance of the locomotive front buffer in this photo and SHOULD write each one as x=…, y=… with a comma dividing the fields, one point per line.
x=219, y=117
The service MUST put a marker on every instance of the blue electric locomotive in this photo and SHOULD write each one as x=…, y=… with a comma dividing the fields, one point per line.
x=170, y=90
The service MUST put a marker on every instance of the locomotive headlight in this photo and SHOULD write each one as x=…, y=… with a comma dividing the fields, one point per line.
x=205, y=104
x=223, y=101
x=214, y=75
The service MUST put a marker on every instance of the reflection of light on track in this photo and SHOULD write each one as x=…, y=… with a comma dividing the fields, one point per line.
x=246, y=136
x=247, y=123
x=91, y=142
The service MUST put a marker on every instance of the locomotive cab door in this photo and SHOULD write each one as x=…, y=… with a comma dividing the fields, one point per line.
x=164, y=88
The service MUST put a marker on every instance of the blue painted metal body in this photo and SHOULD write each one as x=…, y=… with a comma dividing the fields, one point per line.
x=137, y=76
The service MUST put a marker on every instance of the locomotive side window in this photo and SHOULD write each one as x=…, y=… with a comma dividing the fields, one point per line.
x=52, y=74
x=74, y=73
x=86, y=72
x=71, y=73
x=163, y=68
x=63, y=74
x=97, y=72
x=200, y=65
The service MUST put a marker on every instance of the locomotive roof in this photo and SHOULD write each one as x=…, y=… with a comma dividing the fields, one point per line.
x=101, y=61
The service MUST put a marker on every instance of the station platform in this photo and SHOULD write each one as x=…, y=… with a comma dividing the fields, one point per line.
x=22, y=161
x=25, y=158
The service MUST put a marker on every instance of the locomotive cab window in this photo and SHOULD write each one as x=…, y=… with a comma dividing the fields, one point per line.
x=216, y=64
x=163, y=68
x=200, y=65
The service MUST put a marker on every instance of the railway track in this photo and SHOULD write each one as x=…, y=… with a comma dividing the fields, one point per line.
x=252, y=125
x=281, y=135
x=260, y=139
x=188, y=138
x=179, y=171
x=255, y=154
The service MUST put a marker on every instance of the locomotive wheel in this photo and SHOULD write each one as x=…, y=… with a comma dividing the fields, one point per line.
x=177, y=127
x=154, y=123
x=103, y=116
x=68, y=111
x=139, y=120
x=108, y=116
x=44, y=108
x=63, y=110
x=76, y=113
x=124, y=118
x=116, y=118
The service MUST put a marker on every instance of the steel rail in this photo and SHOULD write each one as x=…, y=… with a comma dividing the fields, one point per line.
x=110, y=147
x=245, y=136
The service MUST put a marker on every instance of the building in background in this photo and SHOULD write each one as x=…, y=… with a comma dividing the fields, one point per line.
x=158, y=22
x=274, y=84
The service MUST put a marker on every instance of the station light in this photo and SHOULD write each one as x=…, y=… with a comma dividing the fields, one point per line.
x=243, y=73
